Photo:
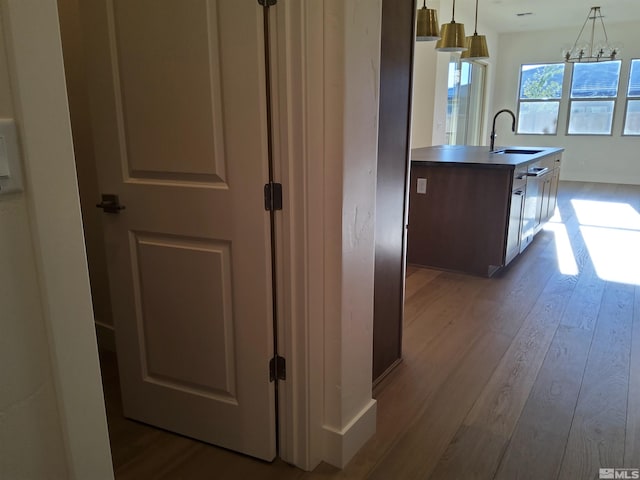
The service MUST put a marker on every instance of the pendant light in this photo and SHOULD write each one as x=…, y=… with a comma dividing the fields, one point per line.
x=427, y=25
x=452, y=37
x=476, y=44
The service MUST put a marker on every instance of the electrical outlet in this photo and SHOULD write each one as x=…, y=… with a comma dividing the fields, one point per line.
x=422, y=186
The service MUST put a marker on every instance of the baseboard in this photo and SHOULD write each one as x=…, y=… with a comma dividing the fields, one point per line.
x=386, y=373
x=341, y=446
x=106, y=337
x=579, y=176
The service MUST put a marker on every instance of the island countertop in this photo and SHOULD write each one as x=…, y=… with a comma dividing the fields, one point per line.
x=479, y=155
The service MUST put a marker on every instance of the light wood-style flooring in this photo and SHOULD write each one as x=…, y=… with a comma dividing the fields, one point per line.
x=533, y=374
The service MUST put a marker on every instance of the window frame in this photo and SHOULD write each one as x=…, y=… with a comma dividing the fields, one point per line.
x=613, y=99
x=628, y=98
x=557, y=101
x=468, y=128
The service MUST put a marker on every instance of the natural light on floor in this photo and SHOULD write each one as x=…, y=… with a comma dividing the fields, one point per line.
x=566, y=259
x=611, y=233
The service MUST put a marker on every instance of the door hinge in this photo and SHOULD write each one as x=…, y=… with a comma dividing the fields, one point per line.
x=267, y=3
x=277, y=368
x=273, y=196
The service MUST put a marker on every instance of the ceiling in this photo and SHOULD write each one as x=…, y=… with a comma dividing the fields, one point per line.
x=546, y=14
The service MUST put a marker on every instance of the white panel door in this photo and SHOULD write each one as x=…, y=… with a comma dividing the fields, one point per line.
x=178, y=102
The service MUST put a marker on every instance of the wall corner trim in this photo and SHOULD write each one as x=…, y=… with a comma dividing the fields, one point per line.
x=341, y=445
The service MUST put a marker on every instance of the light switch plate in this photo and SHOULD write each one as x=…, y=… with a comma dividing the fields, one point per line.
x=422, y=186
x=4, y=159
x=10, y=163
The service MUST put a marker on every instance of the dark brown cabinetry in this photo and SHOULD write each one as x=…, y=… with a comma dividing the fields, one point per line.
x=460, y=222
x=469, y=212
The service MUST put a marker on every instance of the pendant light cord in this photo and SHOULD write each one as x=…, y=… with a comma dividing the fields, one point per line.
x=475, y=28
x=453, y=12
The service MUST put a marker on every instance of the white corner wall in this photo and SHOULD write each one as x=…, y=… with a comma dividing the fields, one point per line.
x=430, y=78
x=52, y=419
x=352, y=70
x=31, y=439
x=326, y=117
x=610, y=159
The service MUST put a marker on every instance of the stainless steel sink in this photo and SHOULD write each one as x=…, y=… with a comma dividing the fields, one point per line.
x=517, y=151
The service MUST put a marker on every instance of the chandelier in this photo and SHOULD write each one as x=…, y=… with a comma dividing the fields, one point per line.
x=589, y=50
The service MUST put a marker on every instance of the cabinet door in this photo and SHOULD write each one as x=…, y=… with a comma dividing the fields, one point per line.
x=543, y=209
x=553, y=193
x=515, y=223
x=531, y=211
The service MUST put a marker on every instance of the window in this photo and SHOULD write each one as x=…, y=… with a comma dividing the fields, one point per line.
x=632, y=115
x=465, y=102
x=594, y=89
x=539, y=99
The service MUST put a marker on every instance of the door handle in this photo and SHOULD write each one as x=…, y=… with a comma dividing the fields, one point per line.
x=110, y=203
x=538, y=172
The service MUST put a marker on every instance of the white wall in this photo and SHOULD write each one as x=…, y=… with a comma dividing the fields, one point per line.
x=352, y=65
x=612, y=159
x=430, y=78
x=31, y=439
x=52, y=420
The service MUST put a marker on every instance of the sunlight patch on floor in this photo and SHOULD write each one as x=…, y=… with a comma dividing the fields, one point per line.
x=606, y=214
x=566, y=259
x=615, y=253
x=557, y=217
x=611, y=232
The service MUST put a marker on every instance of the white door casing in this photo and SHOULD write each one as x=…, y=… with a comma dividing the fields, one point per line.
x=325, y=59
x=178, y=104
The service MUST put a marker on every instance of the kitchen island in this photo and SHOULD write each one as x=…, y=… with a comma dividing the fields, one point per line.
x=474, y=211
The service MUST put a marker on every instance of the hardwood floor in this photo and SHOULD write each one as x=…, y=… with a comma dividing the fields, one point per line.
x=533, y=374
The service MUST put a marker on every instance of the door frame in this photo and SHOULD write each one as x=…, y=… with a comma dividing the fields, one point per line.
x=321, y=148
x=299, y=294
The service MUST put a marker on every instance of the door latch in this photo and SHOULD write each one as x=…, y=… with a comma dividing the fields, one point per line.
x=110, y=203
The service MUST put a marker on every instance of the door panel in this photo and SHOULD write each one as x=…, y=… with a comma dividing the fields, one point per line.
x=210, y=369
x=190, y=256
x=181, y=92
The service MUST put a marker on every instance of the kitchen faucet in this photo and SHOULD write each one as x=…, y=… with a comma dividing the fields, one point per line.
x=493, y=128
